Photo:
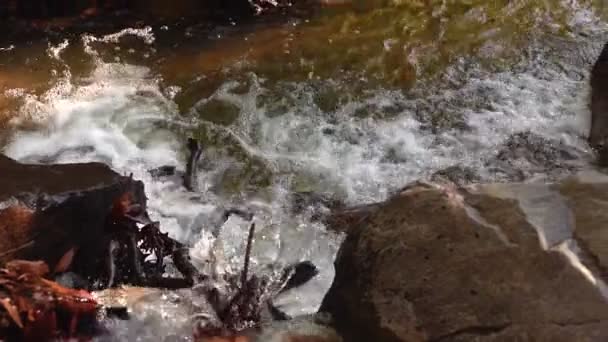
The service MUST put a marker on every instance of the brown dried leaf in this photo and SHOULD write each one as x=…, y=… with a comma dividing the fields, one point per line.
x=121, y=204
x=66, y=261
x=24, y=267
x=12, y=311
x=23, y=303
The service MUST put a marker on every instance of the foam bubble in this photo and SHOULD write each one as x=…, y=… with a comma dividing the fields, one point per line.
x=55, y=51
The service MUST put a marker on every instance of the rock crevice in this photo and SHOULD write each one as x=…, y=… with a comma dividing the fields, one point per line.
x=477, y=331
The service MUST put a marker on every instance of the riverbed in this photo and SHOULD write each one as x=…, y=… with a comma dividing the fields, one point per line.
x=351, y=103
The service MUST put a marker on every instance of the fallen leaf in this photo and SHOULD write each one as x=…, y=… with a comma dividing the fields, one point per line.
x=12, y=311
x=66, y=261
x=24, y=267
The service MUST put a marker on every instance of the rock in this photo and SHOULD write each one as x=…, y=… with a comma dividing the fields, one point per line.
x=47, y=211
x=599, y=106
x=587, y=201
x=457, y=174
x=344, y=219
x=318, y=204
x=525, y=154
x=493, y=262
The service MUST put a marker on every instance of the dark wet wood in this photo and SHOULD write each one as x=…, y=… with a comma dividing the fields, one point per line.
x=195, y=149
x=598, y=135
x=244, y=273
x=343, y=220
x=83, y=218
x=48, y=209
x=299, y=274
x=24, y=180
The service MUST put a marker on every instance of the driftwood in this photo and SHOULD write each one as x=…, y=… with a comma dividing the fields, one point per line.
x=190, y=181
x=598, y=133
x=195, y=148
x=242, y=307
x=87, y=227
x=128, y=247
x=83, y=219
x=47, y=211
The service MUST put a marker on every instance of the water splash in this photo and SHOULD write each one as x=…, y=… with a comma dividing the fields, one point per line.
x=366, y=148
x=8, y=48
x=119, y=115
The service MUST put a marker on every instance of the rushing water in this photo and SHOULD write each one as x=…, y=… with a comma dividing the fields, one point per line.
x=124, y=100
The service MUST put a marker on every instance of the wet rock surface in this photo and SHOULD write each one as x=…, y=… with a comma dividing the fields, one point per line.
x=344, y=219
x=457, y=174
x=587, y=201
x=497, y=262
x=524, y=154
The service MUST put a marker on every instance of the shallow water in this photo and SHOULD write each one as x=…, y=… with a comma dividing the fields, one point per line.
x=272, y=129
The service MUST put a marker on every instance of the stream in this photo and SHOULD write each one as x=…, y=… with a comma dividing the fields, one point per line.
x=351, y=104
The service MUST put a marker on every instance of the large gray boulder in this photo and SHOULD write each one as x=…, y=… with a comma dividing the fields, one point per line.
x=497, y=262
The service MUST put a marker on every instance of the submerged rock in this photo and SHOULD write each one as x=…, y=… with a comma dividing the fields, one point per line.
x=599, y=106
x=486, y=263
x=524, y=154
x=457, y=174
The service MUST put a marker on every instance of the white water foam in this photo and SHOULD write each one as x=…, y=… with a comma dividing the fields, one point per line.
x=367, y=158
x=115, y=116
x=8, y=48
